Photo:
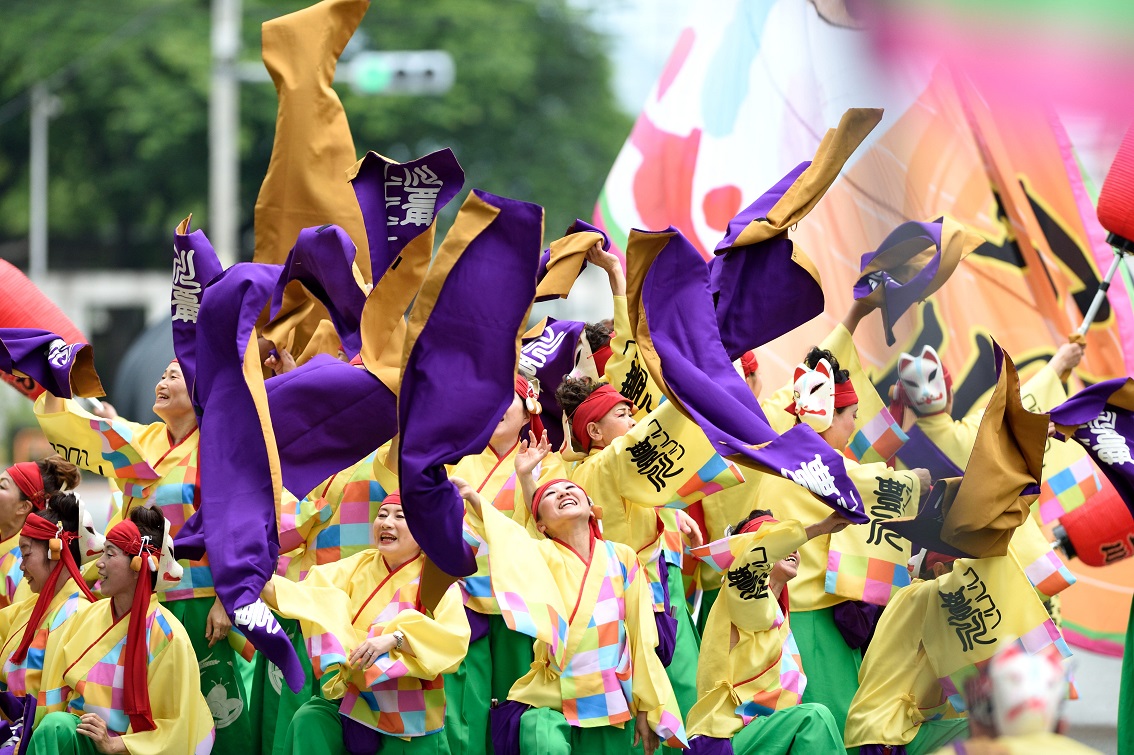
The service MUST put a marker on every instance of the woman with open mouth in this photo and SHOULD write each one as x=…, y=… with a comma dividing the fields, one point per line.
x=123, y=677
x=748, y=652
x=156, y=465
x=378, y=656
x=53, y=542
x=614, y=693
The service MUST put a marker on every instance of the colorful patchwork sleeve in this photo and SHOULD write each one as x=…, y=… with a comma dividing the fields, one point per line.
x=513, y=579
x=106, y=447
x=324, y=614
x=183, y=718
x=652, y=690
x=433, y=646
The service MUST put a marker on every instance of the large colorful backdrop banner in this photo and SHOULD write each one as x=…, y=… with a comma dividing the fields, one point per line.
x=748, y=92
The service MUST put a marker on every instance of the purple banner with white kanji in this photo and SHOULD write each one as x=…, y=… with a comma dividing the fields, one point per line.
x=195, y=264
x=400, y=200
x=1101, y=419
x=549, y=357
x=64, y=369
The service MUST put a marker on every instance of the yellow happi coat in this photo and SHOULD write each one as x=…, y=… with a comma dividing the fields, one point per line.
x=749, y=664
x=608, y=670
x=339, y=605
x=10, y=570
x=86, y=671
x=24, y=678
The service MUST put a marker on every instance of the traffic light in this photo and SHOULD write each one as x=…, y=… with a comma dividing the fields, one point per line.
x=413, y=72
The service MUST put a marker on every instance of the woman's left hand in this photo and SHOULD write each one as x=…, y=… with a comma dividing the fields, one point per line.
x=218, y=623
x=365, y=654
x=94, y=728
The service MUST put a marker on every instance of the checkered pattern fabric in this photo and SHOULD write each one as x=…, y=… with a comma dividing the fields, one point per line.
x=872, y=580
x=714, y=476
x=11, y=563
x=792, y=680
x=25, y=676
x=1068, y=489
x=877, y=440
x=1049, y=575
x=123, y=459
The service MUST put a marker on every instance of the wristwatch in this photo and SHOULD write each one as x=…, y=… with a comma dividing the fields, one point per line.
x=399, y=639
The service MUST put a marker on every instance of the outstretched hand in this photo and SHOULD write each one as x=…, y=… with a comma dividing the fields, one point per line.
x=531, y=452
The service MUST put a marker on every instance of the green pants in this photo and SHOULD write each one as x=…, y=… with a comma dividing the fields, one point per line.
x=544, y=731
x=222, y=681
x=801, y=729
x=512, y=656
x=708, y=597
x=467, y=701
x=1126, y=693
x=276, y=702
x=57, y=734
x=831, y=667
x=933, y=735
x=316, y=728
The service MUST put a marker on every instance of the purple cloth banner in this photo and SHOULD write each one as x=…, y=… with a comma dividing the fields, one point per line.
x=579, y=226
x=678, y=308
x=760, y=293
x=549, y=357
x=920, y=451
x=710, y=746
x=195, y=264
x=899, y=296
x=1104, y=426
x=463, y=358
x=327, y=415
x=236, y=523
x=48, y=360
x=321, y=260
x=400, y=200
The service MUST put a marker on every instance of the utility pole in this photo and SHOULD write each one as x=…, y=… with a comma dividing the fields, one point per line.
x=224, y=132
x=44, y=105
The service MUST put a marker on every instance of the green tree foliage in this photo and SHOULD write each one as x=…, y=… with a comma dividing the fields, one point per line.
x=531, y=116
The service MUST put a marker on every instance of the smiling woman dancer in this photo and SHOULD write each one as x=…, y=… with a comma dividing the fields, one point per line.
x=610, y=675
x=379, y=656
x=126, y=686
x=170, y=448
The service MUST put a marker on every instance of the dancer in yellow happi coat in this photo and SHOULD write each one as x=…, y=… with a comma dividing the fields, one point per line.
x=750, y=678
x=123, y=677
x=603, y=683
x=379, y=657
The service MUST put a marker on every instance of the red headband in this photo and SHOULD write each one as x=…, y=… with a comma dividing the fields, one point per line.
x=748, y=363
x=845, y=395
x=526, y=391
x=754, y=524
x=594, y=407
x=601, y=357
x=126, y=536
x=29, y=480
x=394, y=497
x=538, y=496
x=37, y=528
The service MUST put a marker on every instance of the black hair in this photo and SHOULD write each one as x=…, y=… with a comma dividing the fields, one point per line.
x=149, y=521
x=598, y=334
x=64, y=507
x=574, y=391
x=57, y=473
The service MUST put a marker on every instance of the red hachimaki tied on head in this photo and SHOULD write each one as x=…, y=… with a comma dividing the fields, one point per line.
x=29, y=480
x=594, y=407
